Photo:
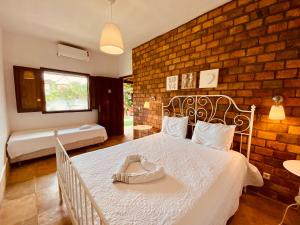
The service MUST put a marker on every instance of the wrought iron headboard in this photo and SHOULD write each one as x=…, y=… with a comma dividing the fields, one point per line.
x=214, y=109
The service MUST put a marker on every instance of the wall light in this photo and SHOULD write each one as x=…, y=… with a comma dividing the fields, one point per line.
x=277, y=110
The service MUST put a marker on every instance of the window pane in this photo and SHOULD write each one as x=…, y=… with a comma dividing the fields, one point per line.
x=65, y=91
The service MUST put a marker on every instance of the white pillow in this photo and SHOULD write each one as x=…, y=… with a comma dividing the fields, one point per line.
x=215, y=135
x=175, y=126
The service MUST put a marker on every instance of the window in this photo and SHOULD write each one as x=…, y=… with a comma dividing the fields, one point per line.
x=65, y=91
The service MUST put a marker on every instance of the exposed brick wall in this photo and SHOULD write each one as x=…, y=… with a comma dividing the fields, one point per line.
x=256, y=45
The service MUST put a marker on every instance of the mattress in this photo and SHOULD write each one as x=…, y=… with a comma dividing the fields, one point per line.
x=27, y=142
x=202, y=185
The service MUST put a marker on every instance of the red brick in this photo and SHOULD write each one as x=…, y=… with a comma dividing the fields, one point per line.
x=219, y=19
x=230, y=78
x=200, y=48
x=238, y=85
x=275, y=46
x=288, y=54
x=266, y=135
x=196, y=28
x=279, y=7
x=254, y=68
x=212, y=44
x=268, y=39
x=258, y=142
x=247, y=60
x=294, y=23
x=241, y=20
x=264, y=76
x=288, y=138
x=229, y=6
x=294, y=130
x=266, y=57
x=244, y=93
x=274, y=65
x=254, y=24
x=276, y=145
x=246, y=77
x=292, y=102
x=274, y=18
x=236, y=30
x=272, y=84
x=292, y=83
x=293, y=12
x=253, y=85
x=293, y=63
x=263, y=151
x=293, y=148
x=255, y=50
x=207, y=24
x=215, y=12
x=291, y=73
x=251, y=7
x=277, y=27
x=265, y=3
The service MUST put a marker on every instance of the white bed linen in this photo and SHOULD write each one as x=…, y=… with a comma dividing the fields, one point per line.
x=202, y=186
x=25, y=142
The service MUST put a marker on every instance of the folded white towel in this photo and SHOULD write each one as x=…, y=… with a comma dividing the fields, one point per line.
x=153, y=172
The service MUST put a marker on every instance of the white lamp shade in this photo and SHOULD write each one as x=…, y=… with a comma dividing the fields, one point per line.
x=111, y=41
x=277, y=113
x=147, y=105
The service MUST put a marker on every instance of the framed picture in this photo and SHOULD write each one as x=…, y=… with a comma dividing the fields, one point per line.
x=188, y=80
x=172, y=83
x=209, y=78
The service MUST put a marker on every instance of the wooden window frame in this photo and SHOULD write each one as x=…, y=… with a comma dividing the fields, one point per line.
x=44, y=111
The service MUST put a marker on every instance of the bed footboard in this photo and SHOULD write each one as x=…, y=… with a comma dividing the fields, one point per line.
x=80, y=204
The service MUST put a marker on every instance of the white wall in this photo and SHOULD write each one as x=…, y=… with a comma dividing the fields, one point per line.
x=125, y=63
x=3, y=123
x=33, y=52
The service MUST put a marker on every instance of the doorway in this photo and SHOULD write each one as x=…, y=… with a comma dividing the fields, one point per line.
x=128, y=105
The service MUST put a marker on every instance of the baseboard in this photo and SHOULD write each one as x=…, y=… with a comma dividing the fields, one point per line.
x=3, y=177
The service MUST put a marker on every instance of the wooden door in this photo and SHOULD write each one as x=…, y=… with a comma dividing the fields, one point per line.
x=28, y=89
x=109, y=101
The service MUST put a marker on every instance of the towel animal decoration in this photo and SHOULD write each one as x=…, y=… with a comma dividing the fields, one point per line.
x=152, y=171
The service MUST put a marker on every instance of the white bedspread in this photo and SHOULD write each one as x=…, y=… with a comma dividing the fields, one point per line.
x=25, y=142
x=202, y=186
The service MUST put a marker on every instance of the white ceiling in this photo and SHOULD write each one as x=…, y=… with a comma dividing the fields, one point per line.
x=79, y=22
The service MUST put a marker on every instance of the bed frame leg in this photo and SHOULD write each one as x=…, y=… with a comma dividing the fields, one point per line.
x=60, y=196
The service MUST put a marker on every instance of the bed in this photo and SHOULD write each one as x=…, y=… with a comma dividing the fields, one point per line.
x=24, y=145
x=202, y=185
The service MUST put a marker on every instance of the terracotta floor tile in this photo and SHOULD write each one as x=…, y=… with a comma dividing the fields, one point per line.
x=46, y=181
x=54, y=216
x=18, y=190
x=18, y=210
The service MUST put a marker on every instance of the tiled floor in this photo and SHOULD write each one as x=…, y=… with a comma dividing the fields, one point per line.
x=32, y=197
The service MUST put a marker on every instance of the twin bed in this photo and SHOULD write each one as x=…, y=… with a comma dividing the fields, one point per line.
x=30, y=144
x=202, y=184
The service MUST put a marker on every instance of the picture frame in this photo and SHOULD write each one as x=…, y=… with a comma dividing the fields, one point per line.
x=209, y=78
x=172, y=83
x=188, y=80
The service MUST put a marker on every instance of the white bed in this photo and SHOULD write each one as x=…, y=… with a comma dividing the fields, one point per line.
x=30, y=144
x=202, y=185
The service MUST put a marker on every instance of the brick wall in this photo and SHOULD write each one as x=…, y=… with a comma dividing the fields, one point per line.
x=256, y=45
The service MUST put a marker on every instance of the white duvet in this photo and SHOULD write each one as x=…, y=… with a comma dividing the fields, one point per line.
x=202, y=186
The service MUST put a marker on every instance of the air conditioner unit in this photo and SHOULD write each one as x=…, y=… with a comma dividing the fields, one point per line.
x=72, y=52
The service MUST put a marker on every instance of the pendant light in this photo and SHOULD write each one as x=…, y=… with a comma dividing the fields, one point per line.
x=111, y=41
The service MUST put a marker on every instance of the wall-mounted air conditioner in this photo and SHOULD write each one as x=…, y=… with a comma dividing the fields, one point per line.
x=72, y=52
